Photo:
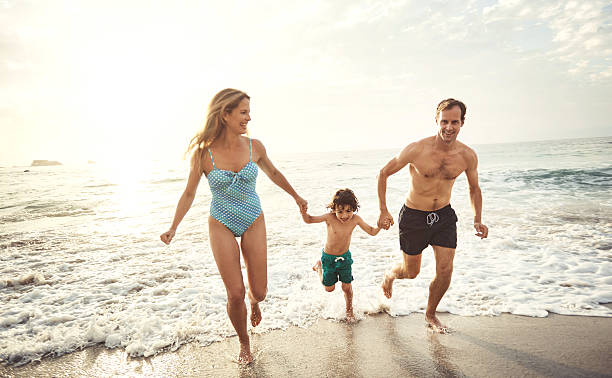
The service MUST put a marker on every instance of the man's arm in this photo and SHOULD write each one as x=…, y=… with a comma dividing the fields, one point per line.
x=385, y=220
x=475, y=195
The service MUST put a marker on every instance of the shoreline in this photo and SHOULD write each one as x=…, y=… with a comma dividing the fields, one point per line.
x=378, y=345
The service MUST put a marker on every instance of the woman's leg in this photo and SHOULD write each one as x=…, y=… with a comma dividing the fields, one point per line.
x=227, y=256
x=255, y=252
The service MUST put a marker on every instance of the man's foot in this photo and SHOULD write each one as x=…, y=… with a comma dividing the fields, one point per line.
x=245, y=356
x=317, y=267
x=387, y=285
x=434, y=323
x=255, y=315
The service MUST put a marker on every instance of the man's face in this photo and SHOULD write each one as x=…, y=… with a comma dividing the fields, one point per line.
x=450, y=123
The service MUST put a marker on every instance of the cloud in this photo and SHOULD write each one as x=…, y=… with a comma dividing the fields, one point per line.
x=581, y=31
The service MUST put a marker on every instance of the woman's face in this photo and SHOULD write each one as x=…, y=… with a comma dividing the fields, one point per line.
x=239, y=117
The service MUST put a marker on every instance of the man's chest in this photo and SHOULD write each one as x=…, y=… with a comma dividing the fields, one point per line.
x=438, y=166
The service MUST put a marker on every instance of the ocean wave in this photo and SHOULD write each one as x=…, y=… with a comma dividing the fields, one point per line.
x=32, y=278
x=561, y=177
x=46, y=210
x=168, y=180
x=100, y=185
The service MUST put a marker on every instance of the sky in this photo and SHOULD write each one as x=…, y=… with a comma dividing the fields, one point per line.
x=116, y=81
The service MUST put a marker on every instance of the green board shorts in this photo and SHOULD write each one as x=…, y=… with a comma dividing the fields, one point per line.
x=336, y=268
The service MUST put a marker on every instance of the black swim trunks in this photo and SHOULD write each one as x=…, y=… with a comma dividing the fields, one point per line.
x=418, y=229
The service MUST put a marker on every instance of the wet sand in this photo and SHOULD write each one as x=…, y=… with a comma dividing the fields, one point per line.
x=377, y=346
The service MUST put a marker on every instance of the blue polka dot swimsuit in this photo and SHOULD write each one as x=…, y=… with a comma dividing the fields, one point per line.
x=235, y=203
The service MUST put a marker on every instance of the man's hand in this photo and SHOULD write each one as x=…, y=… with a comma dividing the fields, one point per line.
x=385, y=220
x=167, y=236
x=482, y=231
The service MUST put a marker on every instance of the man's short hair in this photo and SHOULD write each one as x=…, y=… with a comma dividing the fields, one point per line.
x=448, y=104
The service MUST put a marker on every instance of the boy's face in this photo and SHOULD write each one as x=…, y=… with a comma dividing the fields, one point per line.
x=344, y=213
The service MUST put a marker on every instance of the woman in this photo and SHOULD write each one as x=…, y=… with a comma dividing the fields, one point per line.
x=230, y=160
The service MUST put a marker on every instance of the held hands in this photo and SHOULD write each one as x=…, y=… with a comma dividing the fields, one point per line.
x=167, y=236
x=385, y=220
x=482, y=231
x=302, y=204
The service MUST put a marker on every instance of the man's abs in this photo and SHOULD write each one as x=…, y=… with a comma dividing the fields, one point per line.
x=429, y=195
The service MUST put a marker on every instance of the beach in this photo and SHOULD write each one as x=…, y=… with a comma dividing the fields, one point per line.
x=81, y=263
x=377, y=346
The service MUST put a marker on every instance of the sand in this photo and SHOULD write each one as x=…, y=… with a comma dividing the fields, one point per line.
x=377, y=346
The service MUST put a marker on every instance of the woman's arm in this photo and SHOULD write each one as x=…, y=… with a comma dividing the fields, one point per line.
x=184, y=203
x=275, y=175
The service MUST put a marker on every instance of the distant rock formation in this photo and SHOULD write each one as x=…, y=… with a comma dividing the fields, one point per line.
x=44, y=163
x=91, y=162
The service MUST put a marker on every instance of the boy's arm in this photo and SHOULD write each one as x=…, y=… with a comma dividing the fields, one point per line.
x=366, y=227
x=313, y=219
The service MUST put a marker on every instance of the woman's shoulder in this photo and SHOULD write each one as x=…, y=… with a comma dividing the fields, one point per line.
x=258, y=149
x=199, y=156
x=256, y=143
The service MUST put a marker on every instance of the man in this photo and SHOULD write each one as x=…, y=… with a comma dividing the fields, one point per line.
x=427, y=217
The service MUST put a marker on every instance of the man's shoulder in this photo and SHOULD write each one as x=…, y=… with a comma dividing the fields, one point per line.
x=467, y=152
x=419, y=145
x=426, y=141
x=464, y=148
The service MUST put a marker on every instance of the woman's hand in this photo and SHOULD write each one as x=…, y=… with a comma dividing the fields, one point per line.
x=167, y=236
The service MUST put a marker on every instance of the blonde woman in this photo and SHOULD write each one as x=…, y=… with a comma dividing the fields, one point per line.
x=230, y=162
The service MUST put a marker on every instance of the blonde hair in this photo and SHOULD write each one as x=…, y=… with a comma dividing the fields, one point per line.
x=223, y=102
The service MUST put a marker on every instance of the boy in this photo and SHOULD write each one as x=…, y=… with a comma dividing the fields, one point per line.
x=335, y=263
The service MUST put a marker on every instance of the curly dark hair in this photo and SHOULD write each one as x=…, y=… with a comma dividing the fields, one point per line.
x=344, y=197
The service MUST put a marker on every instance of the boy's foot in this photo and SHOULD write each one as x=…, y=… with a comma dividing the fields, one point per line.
x=317, y=266
x=255, y=315
x=434, y=323
x=350, y=317
x=245, y=356
x=387, y=285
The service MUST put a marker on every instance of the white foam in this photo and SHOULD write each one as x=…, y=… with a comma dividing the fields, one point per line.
x=106, y=278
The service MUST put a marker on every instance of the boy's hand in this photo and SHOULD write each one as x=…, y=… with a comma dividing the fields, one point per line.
x=385, y=220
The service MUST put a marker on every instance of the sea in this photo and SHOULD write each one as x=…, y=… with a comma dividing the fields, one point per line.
x=81, y=262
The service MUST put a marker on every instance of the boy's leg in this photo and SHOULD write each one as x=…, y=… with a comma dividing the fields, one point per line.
x=317, y=268
x=348, y=297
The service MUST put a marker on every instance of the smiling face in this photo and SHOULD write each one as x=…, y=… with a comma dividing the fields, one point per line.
x=344, y=213
x=237, y=120
x=449, y=122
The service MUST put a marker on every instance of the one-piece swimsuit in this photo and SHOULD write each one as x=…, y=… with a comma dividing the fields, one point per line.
x=235, y=203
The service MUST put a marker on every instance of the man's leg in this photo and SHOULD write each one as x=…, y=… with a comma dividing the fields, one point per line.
x=439, y=285
x=408, y=268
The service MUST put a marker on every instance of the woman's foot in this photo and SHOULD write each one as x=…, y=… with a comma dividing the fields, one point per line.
x=245, y=356
x=255, y=315
x=434, y=323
